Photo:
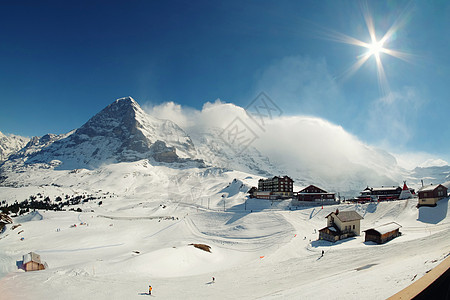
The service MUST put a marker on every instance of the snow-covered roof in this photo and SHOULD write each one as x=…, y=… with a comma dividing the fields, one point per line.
x=429, y=188
x=385, y=188
x=31, y=257
x=385, y=228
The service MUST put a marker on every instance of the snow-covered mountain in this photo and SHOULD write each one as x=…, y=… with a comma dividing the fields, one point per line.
x=120, y=132
x=134, y=193
x=124, y=132
x=430, y=175
x=10, y=144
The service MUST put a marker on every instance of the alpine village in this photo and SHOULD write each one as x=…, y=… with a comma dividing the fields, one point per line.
x=340, y=225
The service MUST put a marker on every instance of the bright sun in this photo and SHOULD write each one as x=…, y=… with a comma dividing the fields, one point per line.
x=375, y=48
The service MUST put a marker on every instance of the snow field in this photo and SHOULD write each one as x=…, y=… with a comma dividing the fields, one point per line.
x=261, y=249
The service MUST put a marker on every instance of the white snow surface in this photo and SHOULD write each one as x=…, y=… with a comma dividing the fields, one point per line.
x=260, y=249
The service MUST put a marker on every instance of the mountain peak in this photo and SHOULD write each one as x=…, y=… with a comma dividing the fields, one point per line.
x=122, y=131
x=124, y=101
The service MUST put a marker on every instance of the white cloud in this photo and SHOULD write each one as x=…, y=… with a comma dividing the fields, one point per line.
x=171, y=111
x=217, y=114
x=301, y=145
x=305, y=147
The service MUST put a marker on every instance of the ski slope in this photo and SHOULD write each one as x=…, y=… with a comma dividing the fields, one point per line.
x=259, y=249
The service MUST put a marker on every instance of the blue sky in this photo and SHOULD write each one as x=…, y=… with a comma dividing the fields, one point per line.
x=63, y=61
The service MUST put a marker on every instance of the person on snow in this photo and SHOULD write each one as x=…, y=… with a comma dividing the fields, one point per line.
x=150, y=289
x=213, y=279
x=322, y=252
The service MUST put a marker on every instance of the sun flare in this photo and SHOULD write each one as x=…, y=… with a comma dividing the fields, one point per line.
x=375, y=48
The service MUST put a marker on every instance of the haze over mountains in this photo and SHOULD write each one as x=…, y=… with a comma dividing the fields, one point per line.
x=311, y=150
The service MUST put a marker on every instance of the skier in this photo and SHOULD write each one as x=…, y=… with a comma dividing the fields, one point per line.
x=213, y=279
x=150, y=290
x=322, y=252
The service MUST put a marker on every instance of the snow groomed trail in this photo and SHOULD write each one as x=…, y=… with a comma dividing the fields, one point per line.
x=269, y=251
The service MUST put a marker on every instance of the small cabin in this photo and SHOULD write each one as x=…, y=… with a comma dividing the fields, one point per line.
x=32, y=262
x=431, y=194
x=341, y=225
x=383, y=233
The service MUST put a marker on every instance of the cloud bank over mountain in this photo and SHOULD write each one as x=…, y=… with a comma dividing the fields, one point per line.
x=255, y=140
x=308, y=147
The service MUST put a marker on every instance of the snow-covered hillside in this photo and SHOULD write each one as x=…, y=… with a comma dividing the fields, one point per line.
x=259, y=248
x=141, y=191
x=434, y=175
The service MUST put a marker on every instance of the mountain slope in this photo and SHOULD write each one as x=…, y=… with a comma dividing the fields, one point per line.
x=434, y=174
x=121, y=132
x=10, y=144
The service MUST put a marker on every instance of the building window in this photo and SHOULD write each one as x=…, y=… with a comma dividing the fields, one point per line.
x=353, y=226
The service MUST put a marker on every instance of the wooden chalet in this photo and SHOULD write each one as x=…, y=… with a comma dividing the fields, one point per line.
x=32, y=262
x=383, y=233
x=431, y=194
x=313, y=193
x=341, y=225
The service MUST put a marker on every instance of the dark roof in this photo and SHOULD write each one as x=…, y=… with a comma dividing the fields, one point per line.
x=321, y=191
x=347, y=216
